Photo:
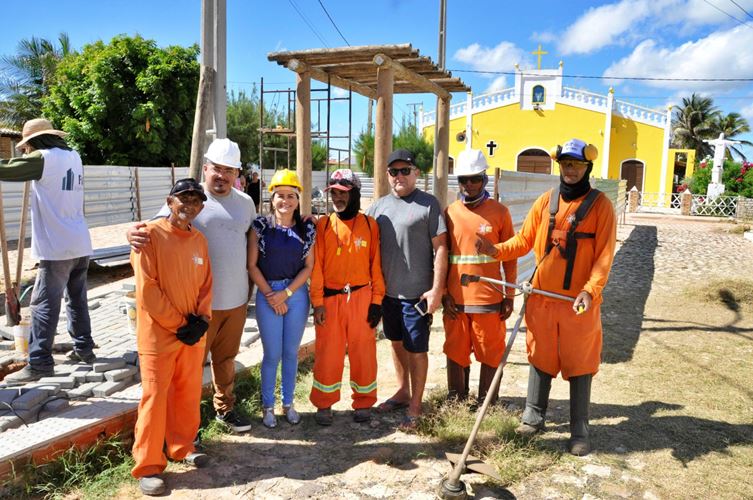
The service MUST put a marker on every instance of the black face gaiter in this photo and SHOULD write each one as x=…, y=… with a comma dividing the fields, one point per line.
x=570, y=192
x=353, y=207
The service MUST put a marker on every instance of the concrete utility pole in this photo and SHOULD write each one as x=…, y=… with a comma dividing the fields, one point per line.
x=441, y=119
x=220, y=66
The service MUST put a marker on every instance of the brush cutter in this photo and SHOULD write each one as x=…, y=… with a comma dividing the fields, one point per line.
x=452, y=486
x=12, y=307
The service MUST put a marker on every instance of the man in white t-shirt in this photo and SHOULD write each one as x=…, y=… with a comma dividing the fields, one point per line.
x=225, y=222
x=59, y=240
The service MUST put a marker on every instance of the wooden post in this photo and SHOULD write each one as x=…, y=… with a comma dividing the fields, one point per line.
x=303, y=137
x=383, y=130
x=172, y=174
x=442, y=141
x=202, y=116
x=22, y=236
x=496, y=182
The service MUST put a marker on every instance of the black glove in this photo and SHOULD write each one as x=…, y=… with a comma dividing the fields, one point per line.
x=192, y=332
x=374, y=316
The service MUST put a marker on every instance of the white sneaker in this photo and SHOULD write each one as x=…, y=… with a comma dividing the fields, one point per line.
x=269, y=420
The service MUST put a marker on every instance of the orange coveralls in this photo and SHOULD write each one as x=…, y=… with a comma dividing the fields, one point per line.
x=480, y=332
x=558, y=340
x=346, y=253
x=173, y=279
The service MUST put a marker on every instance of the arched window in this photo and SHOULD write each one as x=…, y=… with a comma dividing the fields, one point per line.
x=535, y=161
x=539, y=95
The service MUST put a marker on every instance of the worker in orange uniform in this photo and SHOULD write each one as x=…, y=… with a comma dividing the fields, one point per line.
x=474, y=315
x=346, y=291
x=572, y=231
x=174, y=305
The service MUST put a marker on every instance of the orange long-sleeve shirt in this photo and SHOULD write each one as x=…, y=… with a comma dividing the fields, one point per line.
x=173, y=280
x=492, y=219
x=593, y=260
x=346, y=252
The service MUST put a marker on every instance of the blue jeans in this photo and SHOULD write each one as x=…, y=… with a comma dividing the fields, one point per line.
x=280, y=339
x=54, y=279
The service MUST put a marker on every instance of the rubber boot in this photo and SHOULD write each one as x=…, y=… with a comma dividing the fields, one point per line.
x=537, y=400
x=457, y=385
x=467, y=372
x=580, y=400
x=485, y=382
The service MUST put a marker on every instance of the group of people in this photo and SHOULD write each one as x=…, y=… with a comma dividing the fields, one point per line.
x=196, y=264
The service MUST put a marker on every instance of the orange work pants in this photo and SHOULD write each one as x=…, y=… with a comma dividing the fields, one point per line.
x=558, y=340
x=169, y=407
x=480, y=333
x=345, y=328
x=223, y=341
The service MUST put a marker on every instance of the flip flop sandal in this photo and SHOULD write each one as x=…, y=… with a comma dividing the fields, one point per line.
x=391, y=405
x=409, y=423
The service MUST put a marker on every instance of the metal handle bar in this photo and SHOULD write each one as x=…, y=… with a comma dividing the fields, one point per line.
x=526, y=287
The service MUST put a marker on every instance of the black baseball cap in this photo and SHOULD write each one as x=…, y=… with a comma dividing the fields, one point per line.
x=187, y=185
x=401, y=155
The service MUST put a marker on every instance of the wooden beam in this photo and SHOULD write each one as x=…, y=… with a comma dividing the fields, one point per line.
x=299, y=67
x=303, y=137
x=383, y=130
x=201, y=120
x=442, y=142
x=384, y=61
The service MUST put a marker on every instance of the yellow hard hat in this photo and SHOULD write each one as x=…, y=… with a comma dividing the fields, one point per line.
x=285, y=177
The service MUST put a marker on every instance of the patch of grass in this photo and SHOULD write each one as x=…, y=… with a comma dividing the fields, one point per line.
x=496, y=442
x=737, y=228
x=96, y=472
x=731, y=293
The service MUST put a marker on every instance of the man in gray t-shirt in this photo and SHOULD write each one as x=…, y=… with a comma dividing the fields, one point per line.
x=413, y=239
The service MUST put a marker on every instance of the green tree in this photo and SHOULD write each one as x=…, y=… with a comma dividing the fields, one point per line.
x=127, y=102
x=692, y=122
x=27, y=76
x=406, y=138
x=318, y=155
x=731, y=125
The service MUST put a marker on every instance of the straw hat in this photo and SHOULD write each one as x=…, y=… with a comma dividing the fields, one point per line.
x=36, y=127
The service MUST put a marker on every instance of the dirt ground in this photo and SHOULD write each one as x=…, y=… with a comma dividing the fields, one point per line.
x=671, y=406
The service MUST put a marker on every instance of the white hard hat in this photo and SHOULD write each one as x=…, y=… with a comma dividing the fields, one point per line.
x=224, y=152
x=470, y=162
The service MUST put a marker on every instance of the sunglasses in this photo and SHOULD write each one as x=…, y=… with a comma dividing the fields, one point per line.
x=474, y=179
x=405, y=171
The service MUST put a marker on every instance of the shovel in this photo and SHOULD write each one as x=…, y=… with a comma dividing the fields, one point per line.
x=452, y=486
x=12, y=308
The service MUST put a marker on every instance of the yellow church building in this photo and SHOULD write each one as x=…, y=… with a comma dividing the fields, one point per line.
x=517, y=127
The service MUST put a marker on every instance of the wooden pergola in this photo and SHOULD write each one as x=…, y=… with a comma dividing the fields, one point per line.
x=376, y=72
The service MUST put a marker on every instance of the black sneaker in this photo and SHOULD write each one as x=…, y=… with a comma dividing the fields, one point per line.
x=82, y=357
x=27, y=374
x=237, y=423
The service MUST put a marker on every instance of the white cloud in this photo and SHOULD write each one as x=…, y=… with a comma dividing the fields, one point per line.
x=607, y=25
x=503, y=57
x=747, y=112
x=499, y=83
x=338, y=92
x=544, y=37
x=716, y=56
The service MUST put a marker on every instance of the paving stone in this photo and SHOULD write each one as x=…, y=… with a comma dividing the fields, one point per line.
x=62, y=346
x=53, y=407
x=249, y=338
x=5, y=361
x=83, y=390
x=107, y=364
x=108, y=388
x=51, y=389
x=95, y=377
x=79, y=377
x=9, y=422
x=94, y=305
x=29, y=399
x=120, y=374
x=129, y=287
x=7, y=345
x=7, y=396
x=131, y=357
x=66, y=382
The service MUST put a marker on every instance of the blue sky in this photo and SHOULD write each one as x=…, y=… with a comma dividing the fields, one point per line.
x=626, y=38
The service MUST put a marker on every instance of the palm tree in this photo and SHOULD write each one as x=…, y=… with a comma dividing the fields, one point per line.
x=27, y=77
x=732, y=125
x=693, y=122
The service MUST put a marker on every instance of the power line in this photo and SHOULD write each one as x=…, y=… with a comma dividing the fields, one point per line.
x=333, y=23
x=305, y=20
x=742, y=9
x=595, y=77
x=728, y=14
